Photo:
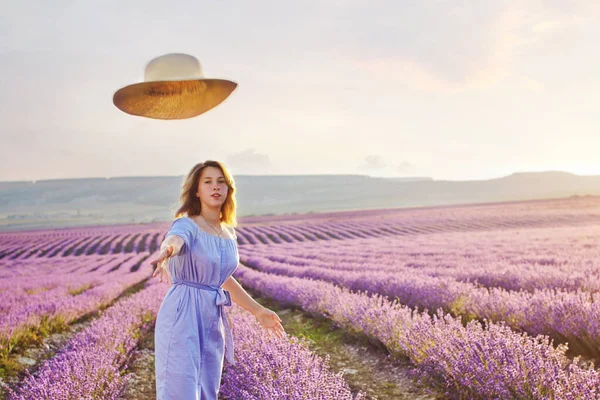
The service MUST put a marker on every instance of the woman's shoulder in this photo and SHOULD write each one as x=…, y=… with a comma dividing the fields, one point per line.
x=186, y=222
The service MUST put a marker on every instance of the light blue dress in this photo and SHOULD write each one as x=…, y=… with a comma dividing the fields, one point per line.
x=192, y=332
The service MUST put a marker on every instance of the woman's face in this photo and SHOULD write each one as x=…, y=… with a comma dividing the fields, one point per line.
x=212, y=182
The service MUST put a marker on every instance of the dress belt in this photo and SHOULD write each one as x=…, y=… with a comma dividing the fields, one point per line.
x=223, y=299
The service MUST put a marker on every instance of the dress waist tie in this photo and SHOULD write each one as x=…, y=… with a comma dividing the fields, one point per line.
x=223, y=299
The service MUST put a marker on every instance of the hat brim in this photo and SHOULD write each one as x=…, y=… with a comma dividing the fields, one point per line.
x=173, y=99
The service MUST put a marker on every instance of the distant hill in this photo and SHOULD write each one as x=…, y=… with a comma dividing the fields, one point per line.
x=91, y=201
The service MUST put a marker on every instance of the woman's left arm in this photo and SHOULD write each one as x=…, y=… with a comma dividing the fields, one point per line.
x=240, y=296
x=267, y=318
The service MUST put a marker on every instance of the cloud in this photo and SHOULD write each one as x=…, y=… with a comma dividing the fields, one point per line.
x=404, y=165
x=376, y=163
x=249, y=162
x=373, y=162
x=443, y=45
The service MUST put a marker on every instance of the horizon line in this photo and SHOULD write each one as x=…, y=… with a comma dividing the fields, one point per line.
x=304, y=175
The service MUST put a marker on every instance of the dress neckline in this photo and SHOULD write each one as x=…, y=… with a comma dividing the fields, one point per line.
x=206, y=233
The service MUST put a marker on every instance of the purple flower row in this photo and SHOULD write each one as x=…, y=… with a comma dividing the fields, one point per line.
x=328, y=227
x=479, y=362
x=85, y=241
x=566, y=257
x=44, y=275
x=31, y=268
x=572, y=316
x=272, y=368
x=89, y=365
x=58, y=303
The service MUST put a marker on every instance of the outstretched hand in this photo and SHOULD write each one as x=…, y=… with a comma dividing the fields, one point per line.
x=161, y=266
x=270, y=321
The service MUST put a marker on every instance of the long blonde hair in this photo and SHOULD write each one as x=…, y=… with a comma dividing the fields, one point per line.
x=190, y=203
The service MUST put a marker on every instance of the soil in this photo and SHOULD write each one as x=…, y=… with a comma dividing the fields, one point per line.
x=142, y=383
x=366, y=366
x=33, y=357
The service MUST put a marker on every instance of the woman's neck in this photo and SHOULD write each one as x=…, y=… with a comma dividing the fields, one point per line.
x=211, y=217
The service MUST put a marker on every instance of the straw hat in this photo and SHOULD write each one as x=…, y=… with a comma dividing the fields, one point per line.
x=174, y=87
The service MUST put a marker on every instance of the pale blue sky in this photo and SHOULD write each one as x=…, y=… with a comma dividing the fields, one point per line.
x=455, y=90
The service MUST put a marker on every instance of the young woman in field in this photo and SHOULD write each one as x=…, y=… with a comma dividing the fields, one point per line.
x=200, y=253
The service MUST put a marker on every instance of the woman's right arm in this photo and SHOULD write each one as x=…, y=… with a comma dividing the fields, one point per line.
x=174, y=241
x=170, y=246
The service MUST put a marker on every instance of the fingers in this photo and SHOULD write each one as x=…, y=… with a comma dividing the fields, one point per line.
x=161, y=271
x=278, y=331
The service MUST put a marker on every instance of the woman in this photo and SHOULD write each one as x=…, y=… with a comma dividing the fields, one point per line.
x=200, y=250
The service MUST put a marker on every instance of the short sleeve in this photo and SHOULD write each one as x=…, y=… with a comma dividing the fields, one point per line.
x=184, y=228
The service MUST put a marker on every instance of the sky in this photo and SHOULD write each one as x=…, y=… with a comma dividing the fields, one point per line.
x=455, y=89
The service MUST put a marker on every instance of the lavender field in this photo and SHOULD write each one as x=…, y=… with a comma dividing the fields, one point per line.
x=480, y=301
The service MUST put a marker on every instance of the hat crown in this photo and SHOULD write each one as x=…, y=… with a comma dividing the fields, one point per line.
x=173, y=67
